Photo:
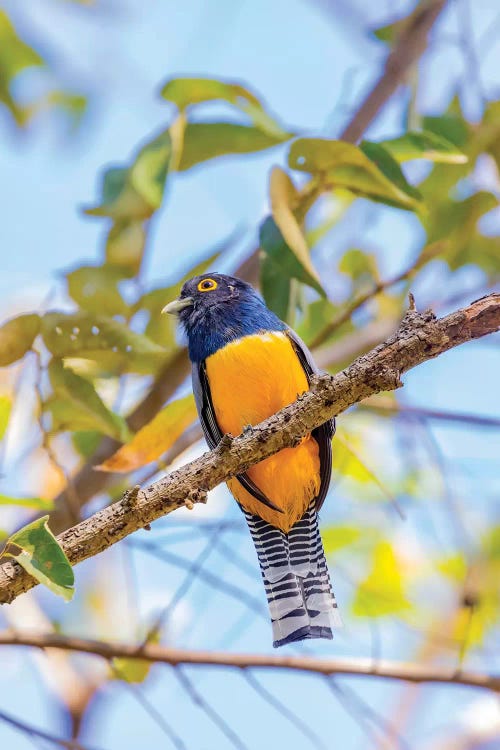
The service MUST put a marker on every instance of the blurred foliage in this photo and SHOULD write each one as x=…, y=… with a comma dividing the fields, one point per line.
x=111, y=340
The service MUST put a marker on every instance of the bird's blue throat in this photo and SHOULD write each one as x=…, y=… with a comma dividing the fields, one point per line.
x=210, y=328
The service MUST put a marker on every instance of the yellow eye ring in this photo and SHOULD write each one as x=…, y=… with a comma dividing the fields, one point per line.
x=207, y=285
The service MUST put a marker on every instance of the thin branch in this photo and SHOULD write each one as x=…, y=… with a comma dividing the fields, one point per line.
x=420, y=337
x=383, y=669
x=382, y=407
x=31, y=731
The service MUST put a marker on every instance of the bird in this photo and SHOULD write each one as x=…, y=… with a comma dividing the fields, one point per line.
x=246, y=365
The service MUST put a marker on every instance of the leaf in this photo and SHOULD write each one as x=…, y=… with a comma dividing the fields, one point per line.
x=359, y=265
x=131, y=670
x=155, y=438
x=424, y=145
x=279, y=265
x=336, y=537
x=43, y=558
x=348, y=166
x=135, y=192
x=389, y=167
x=208, y=140
x=77, y=405
x=36, y=503
x=110, y=343
x=381, y=593
x=86, y=442
x=282, y=195
x=5, y=410
x=453, y=567
x=125, y=245
x=15, y=55
x=185, y=92
x=17, y=336
x=95, y=288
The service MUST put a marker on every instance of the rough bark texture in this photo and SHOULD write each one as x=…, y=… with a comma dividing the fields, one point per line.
x=420, y=337
x=160, y=654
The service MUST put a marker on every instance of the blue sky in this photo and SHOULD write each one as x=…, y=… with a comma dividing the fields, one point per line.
x=298, y=57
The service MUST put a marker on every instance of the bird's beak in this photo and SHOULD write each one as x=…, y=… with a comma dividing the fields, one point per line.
x=174, y=307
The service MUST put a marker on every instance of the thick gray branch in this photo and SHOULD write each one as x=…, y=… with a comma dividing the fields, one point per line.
x=420, y=337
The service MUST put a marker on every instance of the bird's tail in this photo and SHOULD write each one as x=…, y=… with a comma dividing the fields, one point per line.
x=295, y=574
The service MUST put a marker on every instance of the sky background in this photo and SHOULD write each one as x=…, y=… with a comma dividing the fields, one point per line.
x=310, y=61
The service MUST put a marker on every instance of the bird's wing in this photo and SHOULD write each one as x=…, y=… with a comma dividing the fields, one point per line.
x=323, y=434
x=212, y=431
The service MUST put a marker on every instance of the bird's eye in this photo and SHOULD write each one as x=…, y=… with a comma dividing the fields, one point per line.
x=207, y=285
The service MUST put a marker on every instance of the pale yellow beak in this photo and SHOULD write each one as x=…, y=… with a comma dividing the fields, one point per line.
x=174, y=307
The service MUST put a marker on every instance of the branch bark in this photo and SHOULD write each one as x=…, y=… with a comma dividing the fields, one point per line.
x=160, y=654
x=420, y=337
x=407, y=50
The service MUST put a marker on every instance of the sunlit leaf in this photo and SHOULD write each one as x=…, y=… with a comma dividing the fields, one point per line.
x=344, y=165
x=112, y=344
x=34, y=503
x=390, y=168
x=424, y=145
x=125, y=245
x=381, y=592
x=184, y=92
x=83, y=407
x=336, y=537
x=453, y=567
x=359, y=265
x=131, y=670
x=17, y=336
x=207, y=140
x=283, y=195
x=5, y=411
x=152, y=440
x=95, y=288
x=42, y=557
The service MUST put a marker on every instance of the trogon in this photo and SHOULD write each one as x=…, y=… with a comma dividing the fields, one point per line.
x=246, y=365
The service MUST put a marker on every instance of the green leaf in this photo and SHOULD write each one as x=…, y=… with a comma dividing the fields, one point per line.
x=95, y=288
x=390, y=168
x=424, y=145
x=125, y=245
x=185, y=92
x=279, y=265
x=17, y=336
x=347, y=166
x=283, y=196
x=135, y=192
x=208, y=140
x=86, y=442
x=5, y=410
x=43, y=558
x=83, y=407
x=382, y=592
x=336, y=537
x=36, y=503
x=110, y=343
x=15, y=55
x=359, y=265
x=451, y=126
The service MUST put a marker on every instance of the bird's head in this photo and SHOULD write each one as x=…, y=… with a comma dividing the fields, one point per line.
x=215, y=309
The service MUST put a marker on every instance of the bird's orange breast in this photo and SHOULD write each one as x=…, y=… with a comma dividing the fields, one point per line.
x=250, y=379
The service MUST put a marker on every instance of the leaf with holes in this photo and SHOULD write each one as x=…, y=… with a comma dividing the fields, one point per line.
x=17, y=336
x=347, y=166
x=97, y=337
x=77, y=405
x=43, y=558
x=155, y=438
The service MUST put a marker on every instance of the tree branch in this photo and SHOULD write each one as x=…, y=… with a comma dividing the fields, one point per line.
x=160, y=654
x=408, y=48
x=420, y=337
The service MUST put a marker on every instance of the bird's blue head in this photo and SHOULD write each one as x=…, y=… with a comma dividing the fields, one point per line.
x=215, y=309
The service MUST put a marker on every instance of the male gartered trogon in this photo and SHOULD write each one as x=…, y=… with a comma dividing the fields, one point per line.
x=246, y=365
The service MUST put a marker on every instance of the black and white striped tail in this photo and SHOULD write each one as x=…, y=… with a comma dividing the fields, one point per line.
x=298, y=589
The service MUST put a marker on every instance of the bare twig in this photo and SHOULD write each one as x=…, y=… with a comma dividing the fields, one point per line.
x=390, y=670
x=419, y=338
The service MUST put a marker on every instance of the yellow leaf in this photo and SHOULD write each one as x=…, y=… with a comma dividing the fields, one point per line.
x=155, y=438
x=381, y=593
